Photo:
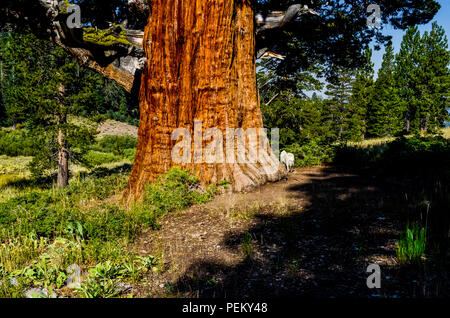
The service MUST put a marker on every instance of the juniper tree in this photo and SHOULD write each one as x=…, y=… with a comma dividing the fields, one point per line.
x=200, y=60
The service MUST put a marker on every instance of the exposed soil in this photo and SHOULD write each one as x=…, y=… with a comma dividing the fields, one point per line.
x=313, y=234
x=115, y=128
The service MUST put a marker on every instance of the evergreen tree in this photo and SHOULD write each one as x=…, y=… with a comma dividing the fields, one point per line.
x=360, y=100
x=385, y=113
x=44, y=86
x=338, y=106
x=407, y=62
x=13, y=72
x=435, y=81
x=423, y=79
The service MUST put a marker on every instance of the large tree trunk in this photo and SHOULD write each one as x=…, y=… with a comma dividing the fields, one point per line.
x=200, y=67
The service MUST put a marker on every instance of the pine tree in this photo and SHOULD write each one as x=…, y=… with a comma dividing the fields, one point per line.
x=338, y=106
x=44, y=87
x=435, y=79
x=408, y=63
x=423, y=79
x=385, y=115
x=13, y=72
x=360, y=100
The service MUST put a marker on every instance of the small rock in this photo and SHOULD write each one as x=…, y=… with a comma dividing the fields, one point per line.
x=13, y=281
x=35, y=293
x=123, y=288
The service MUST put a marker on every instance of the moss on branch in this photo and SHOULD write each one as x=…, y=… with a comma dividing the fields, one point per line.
x=106, y=37
x=64, y=7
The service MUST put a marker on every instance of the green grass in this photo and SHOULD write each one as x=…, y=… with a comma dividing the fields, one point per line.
x=247, y=245
x=447, y=132
x=44, y=230
x=14, y=165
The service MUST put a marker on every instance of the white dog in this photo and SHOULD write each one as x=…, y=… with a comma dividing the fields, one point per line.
x=288, y=159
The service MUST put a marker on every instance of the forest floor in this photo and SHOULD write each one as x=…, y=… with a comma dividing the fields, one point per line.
x=313, y=234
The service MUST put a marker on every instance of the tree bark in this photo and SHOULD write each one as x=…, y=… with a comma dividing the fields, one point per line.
x=200, y=67
x=63, y=156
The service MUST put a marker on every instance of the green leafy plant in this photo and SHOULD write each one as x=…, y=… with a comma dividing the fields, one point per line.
x=42, y=272
x=149, y=262
x=412, y=244
x=176, y=190
x=105, y=271
x=95, y=288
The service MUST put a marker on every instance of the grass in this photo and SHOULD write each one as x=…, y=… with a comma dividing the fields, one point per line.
x=382, y=141
x=14, y=165
x=247, y=245
x=44, y=230
x=447, y=132
x=371, y=142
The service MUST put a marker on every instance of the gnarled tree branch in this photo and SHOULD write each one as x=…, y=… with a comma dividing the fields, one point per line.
x=278, y=19
x=121, y=57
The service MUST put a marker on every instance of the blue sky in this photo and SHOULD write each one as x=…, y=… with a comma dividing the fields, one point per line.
x=442, y=18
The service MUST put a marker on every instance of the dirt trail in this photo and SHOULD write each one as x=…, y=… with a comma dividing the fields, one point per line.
x=313, y=234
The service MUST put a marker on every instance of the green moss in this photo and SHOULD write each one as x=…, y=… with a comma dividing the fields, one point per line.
x=105, y=37
x=63, y=9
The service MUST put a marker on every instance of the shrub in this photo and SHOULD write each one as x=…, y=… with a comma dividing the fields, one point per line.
x=175, y=190
x=404, y=156
x=129, y=154
x=16, y=143
x=311, y=153
x=115, y=144
x=96, y=158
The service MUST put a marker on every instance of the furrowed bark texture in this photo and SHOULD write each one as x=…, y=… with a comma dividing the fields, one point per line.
x=63, y=157
x=200, y=66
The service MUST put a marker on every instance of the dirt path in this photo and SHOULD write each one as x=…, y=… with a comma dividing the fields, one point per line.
x=313, y=234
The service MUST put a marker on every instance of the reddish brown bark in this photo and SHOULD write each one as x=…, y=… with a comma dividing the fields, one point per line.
x=200, y=66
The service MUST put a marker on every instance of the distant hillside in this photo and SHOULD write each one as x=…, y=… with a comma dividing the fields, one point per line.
x=112, y=127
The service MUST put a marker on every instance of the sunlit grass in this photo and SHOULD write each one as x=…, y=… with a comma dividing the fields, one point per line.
x=14, y=165
x=381, y=141
x=447, y=132
x=371, y=142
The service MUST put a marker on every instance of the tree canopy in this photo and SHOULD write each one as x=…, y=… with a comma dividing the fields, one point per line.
x=309, y=32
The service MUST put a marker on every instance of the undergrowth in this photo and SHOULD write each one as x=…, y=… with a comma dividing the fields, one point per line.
x=44, y=232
